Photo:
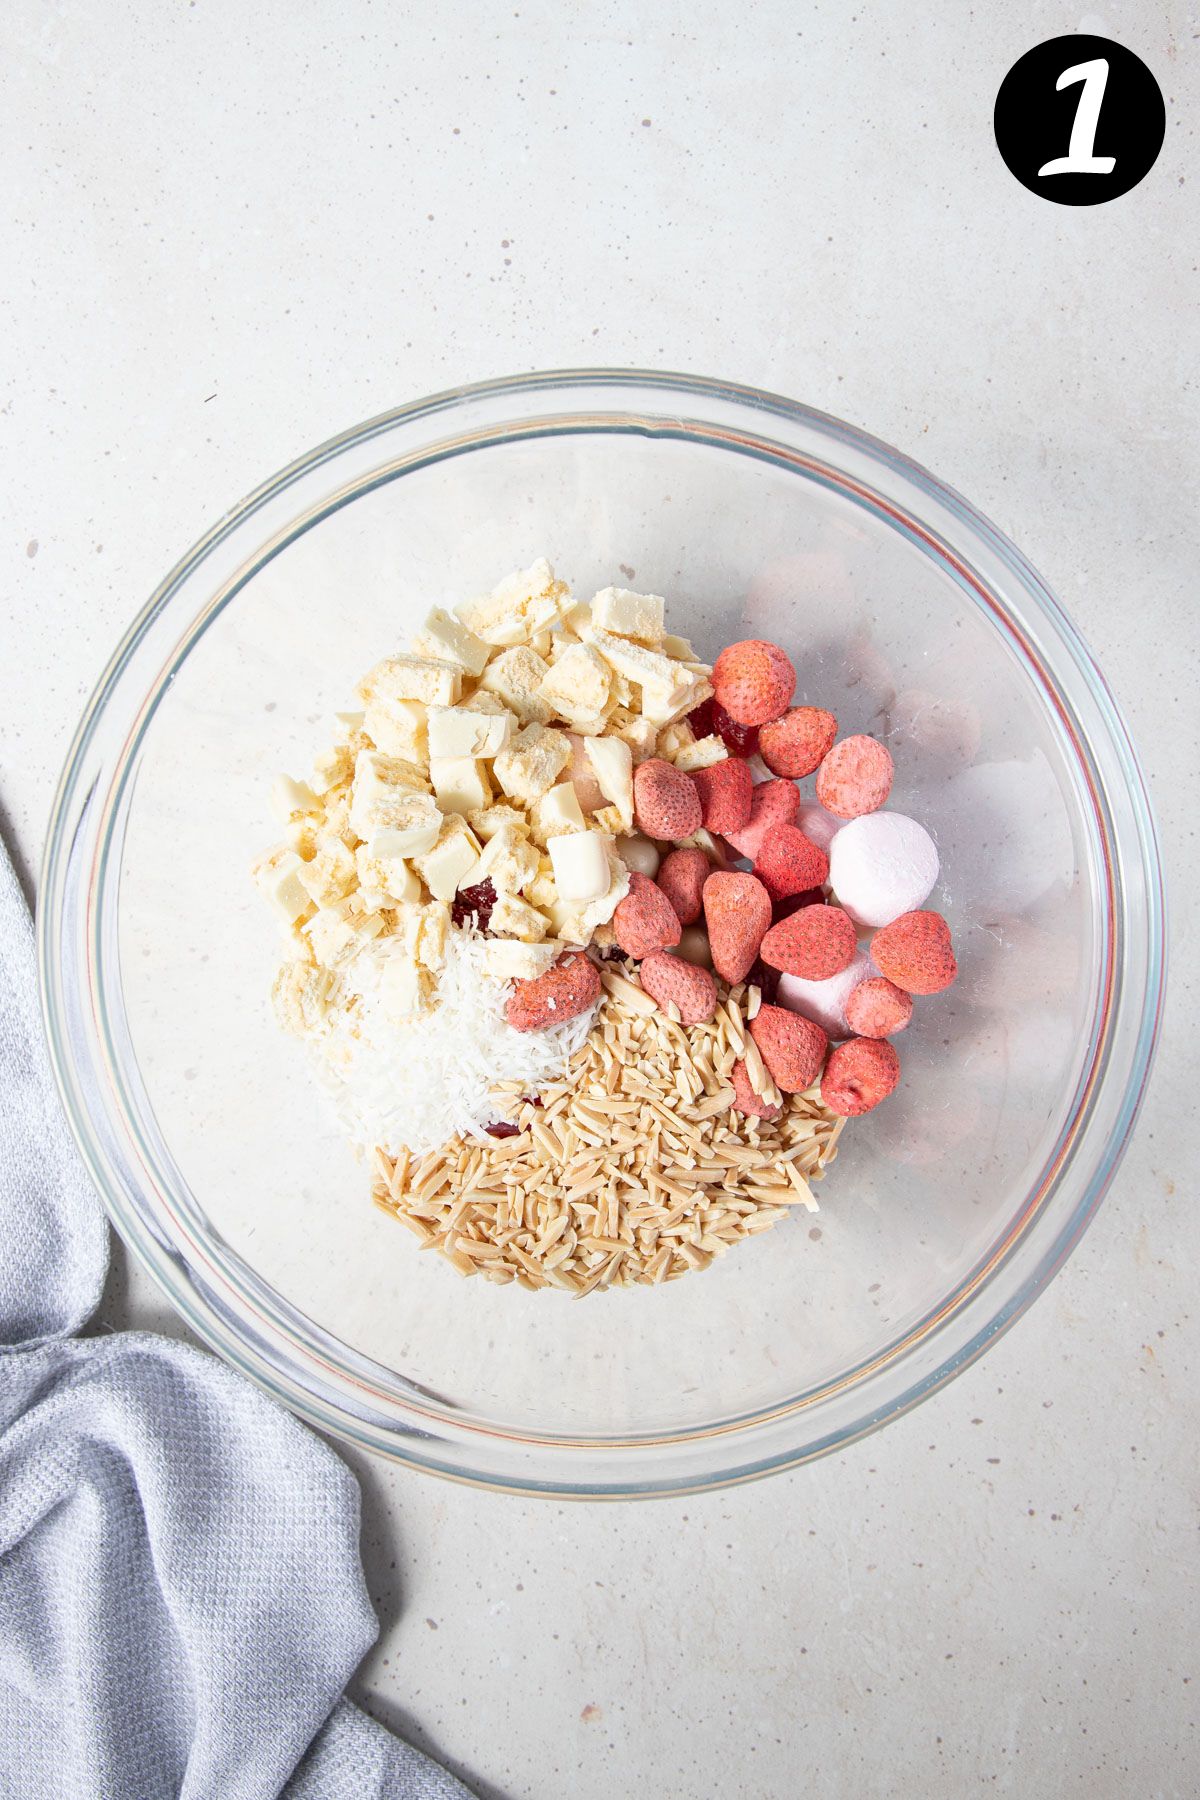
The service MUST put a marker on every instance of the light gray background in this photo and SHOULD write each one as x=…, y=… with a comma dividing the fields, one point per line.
x=232, y=230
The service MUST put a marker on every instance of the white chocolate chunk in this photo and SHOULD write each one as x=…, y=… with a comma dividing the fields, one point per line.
x=580, y=862
x=384, y=787
x=278, y=878
x=531, y=764
x=511, y=960
x=524, y=603
x=557, y=811
x=576, y=687
x=516, y=677
x=290, y=798
x=489, y=819
x=411, y=827
x=444, y=868
x=460, y=783
x=630, y=615
x=425, y=678
x=397, y=727
x=508, y=860
x=405, y=989
x=612, y=761
x=663, y=704
x=450, y=641
x=516, y=918
x=701, y=753
x=467, y=731
x=331, y=874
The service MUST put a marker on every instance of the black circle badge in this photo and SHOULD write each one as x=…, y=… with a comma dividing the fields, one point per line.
x=1079, y=120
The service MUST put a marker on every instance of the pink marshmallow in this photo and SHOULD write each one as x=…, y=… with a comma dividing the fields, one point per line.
x=882, y=865
x=824, y=1002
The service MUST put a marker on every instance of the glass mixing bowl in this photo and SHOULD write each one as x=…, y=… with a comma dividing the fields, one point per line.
x=948, y=1209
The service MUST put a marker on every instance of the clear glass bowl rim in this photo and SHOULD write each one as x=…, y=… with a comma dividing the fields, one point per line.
x=74, y=938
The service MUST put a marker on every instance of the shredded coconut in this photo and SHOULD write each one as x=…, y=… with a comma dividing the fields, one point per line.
x=415, y=1083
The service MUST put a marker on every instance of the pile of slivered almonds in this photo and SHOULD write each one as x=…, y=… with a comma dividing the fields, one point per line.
x=632, y=1169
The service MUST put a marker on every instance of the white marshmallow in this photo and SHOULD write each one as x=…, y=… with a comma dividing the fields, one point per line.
x=824, y=1002
x=819, y=827
x=882, y=865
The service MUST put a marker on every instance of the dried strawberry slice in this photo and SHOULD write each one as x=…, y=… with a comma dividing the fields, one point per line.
x=478, y=900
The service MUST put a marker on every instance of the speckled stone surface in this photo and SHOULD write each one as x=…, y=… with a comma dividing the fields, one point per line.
x=234, y=231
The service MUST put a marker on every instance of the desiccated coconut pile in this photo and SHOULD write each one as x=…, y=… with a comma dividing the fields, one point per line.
x=585, y=1047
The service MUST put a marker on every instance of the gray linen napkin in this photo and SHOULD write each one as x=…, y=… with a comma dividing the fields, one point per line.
x=181, y=1598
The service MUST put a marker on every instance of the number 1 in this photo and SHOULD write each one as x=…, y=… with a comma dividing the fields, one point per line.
x=1081, y=158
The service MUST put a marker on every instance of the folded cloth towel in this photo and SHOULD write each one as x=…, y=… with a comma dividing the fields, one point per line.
x=181, y=1598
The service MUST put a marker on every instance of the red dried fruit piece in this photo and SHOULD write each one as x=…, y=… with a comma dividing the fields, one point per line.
x=788, y=862
x=855, y=778
x=877, y=1008
x=745, y=1100
x=753, y=680
x=765, y=979
x=859, y=1074
x=479, y=900
x=645, y=920
x=681, y=876
x=814, y=944
x=711, y=720
x=771, y=803
x=726, y=792
x=502, y=1128
x=666, y=802
x=793, y=903
x=799, y=742
x=562, y=993
x=671, y=981
x=737, y=912
x=916, y=953
x=792, y=1047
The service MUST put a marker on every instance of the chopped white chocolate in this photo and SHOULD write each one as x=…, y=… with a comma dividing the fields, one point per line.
x=576, y=687
x=580, y=862
x=334, y=768
x=508, y=860
x=338, y=932
x=576, y=923
x=332, y=873
x=421, y=932
x=425, y=678
x=516, y=918
x=532, y=763
x=640, y=734
x=277, y=875
x=488, y=820
x=383, y=881
x=449, y=640
x=410, y=827
x=630, y=615
x=557, y=811
x=467, y=731
x=678, y=648
x=444, y=868
x=300, y=996
x=516, y=677
x=511, y=960
x=663, y=704
x=397, y=727
x=290, y=798
x=612, y=761
x=405, y=988
x=523, y=604
x=610, y=819
x=702, y=753
x=460, y=783
x=382, y=785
